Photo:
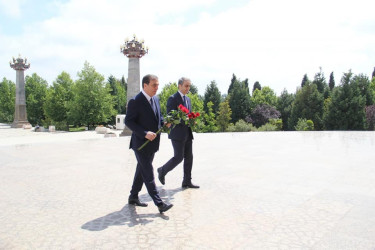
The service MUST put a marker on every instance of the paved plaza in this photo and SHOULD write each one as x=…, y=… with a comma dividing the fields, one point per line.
x=259, y=190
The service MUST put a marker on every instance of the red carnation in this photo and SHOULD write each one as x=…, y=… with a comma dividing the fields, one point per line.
x=183, y=109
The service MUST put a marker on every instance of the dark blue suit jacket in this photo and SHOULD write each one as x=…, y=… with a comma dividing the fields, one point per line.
x=181, y=132
x=140, y=118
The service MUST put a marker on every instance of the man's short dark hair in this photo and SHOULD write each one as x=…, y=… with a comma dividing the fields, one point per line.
x=182, y=80
x=147, y=79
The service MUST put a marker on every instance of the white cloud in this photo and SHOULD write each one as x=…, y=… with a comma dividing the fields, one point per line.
x=273, y=42
x=11, y=8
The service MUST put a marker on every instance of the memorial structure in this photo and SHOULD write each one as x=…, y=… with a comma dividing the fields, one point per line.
x=20, y=114
x=134, y=50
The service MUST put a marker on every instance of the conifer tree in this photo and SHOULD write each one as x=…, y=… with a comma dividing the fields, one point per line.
x=212, y=94
x=256, y=86
x=331, y=83
x=305, y=80
x=347, y=108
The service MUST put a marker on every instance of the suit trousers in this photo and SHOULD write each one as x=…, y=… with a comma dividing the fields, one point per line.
x=145, y=174
x=183, y=150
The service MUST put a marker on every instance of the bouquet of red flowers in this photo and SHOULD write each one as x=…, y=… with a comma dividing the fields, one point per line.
x=174, y=118
x=190, y=119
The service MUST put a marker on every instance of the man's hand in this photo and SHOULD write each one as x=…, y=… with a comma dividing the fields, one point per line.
x=150, y=135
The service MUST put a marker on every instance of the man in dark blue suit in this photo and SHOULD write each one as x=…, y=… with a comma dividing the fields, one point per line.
x=144, y=118
x=181, y=137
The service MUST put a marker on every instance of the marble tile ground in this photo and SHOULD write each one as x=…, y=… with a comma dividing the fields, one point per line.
x=266, y=190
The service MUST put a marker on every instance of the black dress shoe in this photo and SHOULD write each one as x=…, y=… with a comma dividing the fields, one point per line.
x=164, y=207
x=161, y=176
x=136, y=202
x=189, y=185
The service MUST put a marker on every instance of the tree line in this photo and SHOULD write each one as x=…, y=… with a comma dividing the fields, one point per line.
x=91, y=100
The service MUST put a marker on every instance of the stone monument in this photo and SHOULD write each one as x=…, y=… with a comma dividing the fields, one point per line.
x=20, y=115
x=134, y=50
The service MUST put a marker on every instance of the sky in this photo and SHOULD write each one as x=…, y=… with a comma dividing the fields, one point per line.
x=273, y=42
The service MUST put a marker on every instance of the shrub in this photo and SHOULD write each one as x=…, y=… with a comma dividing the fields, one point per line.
x=278, y=123
x=241, y=126
x=268, y=127
x=262, y=114
x=304, y=125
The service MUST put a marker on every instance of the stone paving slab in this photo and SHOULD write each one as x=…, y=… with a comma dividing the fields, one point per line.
x=263, y=190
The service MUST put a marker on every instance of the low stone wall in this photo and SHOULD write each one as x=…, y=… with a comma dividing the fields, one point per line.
x=101, y=130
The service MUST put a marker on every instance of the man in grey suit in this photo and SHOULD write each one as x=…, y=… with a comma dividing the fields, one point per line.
x=144, y=118
x=181, y=137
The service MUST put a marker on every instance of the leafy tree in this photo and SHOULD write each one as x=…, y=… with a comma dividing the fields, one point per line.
x=308, y=104
x=121, y=99
x=212, y=94
x=257, y=98
x=264, y=96
x=197, y=106
x=209, y=119
x=305, y=80
x=36, y=91
x=167, y=91
x=196, y=103
x=58, y=95
x=261, y=114
x=239, y=101
x=7, y=100
x=284, y=105
x=370, y=117
x=373, y=73
x=347, y=108
x=331, y=83
x=118, y=93
x=224, y=116
x=92, y=102
x=256, y=86
x=270, y=96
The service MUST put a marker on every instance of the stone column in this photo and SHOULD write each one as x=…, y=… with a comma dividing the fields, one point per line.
x=20, y=114
x=133, y=86
x=134, y=79
x=134, y=50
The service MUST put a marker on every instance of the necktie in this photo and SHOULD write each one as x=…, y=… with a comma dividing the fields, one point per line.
x=184, y=101
x=153, y=105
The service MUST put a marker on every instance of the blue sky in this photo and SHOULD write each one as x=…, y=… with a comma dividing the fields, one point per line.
x=271, y=41
x=15, y=15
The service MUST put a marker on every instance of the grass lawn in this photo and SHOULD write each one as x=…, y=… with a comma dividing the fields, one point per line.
x=76, y=129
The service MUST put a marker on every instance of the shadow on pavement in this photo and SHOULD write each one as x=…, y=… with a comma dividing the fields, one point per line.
x=128, y=214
